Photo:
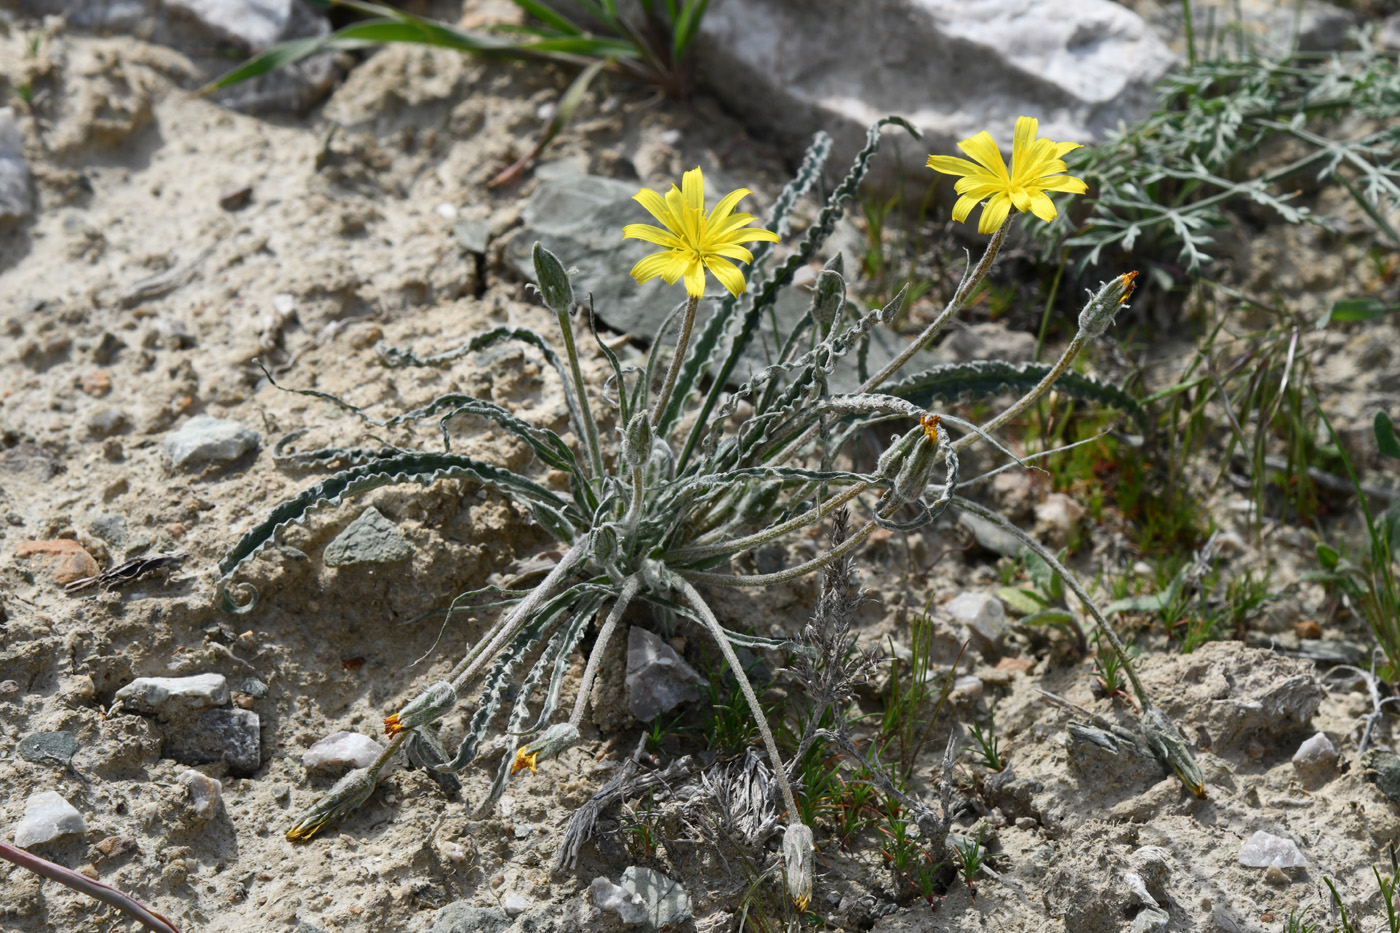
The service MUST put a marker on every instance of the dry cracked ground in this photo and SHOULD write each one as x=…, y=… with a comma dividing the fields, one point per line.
x=178, y=242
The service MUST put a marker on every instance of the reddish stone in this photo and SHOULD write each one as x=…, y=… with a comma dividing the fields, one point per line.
x=1022, y=665
x=71, y=561
x=97, y=383
x=1308, y=629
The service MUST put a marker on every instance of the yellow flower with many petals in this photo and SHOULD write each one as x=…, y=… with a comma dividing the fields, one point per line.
x=695, y=241
x=1036, y=167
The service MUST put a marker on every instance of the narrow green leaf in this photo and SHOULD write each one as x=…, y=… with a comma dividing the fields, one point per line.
x=1386, y=440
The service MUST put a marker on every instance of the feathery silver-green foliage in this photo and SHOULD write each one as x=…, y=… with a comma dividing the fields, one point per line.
x=1169, y=180
x=689, y=489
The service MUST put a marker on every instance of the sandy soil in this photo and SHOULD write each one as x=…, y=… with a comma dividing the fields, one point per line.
x=133, y=300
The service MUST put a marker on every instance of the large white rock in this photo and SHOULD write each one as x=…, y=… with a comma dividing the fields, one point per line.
x=951, y=67
x=169, y=697
x=46, y=817
x=341, y=751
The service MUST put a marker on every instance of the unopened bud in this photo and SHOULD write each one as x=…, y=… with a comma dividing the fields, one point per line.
x=430, y=706
x=347, y=794
x=552, y=743
x=554, y=282
x=798, y=849
x=636, y=440
x=1098, y=313
x=829, y=295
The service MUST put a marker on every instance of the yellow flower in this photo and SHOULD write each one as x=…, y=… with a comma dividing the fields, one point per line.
x=524, y=758
x=693, y=240
x=1036, y=165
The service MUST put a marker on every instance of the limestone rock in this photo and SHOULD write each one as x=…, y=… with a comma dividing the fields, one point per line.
x=1082, y=67
x=47, y=816
x=206, y=794
x=985, y=618
x=1265, y=850
x=203, y=440
x=658, y=679
x=172, y=697
x=341, y=751
x=229, y=735
x=16, y=199
x=369, y=539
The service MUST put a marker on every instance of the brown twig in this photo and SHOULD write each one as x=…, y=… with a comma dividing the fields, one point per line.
x=85, y=885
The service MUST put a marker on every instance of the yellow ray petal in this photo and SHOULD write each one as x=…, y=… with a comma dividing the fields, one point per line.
x=982, y=148
x=730, y=277
x=726, y=205
x=695, y=277
x=749, y=234
x=649, y=267
x=656, y=206
x=651, y=235
x=731, y=251
x=1042, y=207
x=1024, y=136
x=994, y=214
x=952, y=165
x=693, y=188
x=1064, y=183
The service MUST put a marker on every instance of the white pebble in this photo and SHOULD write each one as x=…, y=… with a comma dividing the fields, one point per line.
x=1317, y=753
x=514, y=905
x=1265, y=849
x=206, y=794
x=341, y=750
x=174, y=696
x=608, y=896
x=46, y=817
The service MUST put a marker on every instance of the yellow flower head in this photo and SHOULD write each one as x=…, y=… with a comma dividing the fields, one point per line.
x=695, y=241
x=524, y=758
x=1036, y=167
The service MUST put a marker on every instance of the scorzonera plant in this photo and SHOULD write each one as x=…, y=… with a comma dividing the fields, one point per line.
x=690, y=487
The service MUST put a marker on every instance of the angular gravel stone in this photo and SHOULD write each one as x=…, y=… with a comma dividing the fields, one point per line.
x=229, y=735
x=369, y=539
x=46, y=817
x=1264, y=850
x=628, y=905
x=658, y=679
x=173, y=697
x=204, y=440
x=341, y=751
x=1316, y=754
x=41, y=747
x=206, y=794
x=667, y=904
x=984, y=616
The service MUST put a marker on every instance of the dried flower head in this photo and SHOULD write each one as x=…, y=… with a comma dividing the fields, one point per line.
x=1036, y=167
x=695, y=241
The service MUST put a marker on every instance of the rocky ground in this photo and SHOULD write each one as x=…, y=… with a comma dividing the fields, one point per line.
x=175, y=244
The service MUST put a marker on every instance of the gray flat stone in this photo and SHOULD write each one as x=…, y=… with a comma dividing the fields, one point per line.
x=48, y=747
x=203, y=440
x=369, y=539
x=16, y=198
x=462, y=917
x=667, y=904
x=229, y=735
x=658, y=679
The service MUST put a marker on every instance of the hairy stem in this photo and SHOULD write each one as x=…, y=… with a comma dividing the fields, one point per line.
x=629, y=590
x=590, y=427
x=1029, y=399
x=736, y=545
x=792, y=573
x=677, y=360
x=702, y=608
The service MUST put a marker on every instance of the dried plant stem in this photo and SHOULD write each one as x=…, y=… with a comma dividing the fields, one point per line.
x=702, y=608
x=792, y=573
x=673, y=371
x=85, y=885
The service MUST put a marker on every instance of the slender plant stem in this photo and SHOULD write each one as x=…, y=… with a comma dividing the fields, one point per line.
x=1027, y=400
x=469, y=666
x=677, y=360
x=629, y=590
x=965, y=289
x=634, y=510
x=792, y=573
x=693, y=597
x=736, y=545
x=590, y=427
x=85, y=885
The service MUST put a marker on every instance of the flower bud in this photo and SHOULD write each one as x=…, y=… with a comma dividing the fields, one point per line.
x=347, y=794
x=798, y=863
x=829, y=294
x=431, y=705
x=554, y=282
x=1098, y=313
x=636, y=440
x=552, y=743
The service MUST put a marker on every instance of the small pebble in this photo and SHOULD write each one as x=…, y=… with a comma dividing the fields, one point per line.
x=47, y=816
x=1316, y=758
x=72, y=563
x=8, y=688
x=89, y=871
x=97, y=382
x=514, y=905
x=206, y=794
x=1308, y=629
x=235, y=197
x=115, y=845
x=41, y=747
x=1265, y=849
x=340, y=751
x=203, y=440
